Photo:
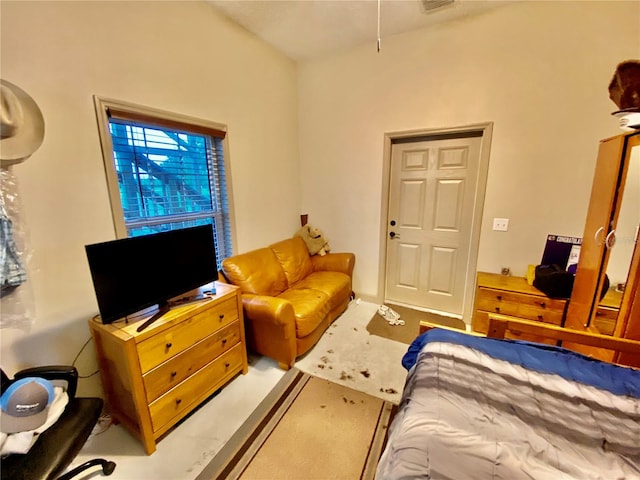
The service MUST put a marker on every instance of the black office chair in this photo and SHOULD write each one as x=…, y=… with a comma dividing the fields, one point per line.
x=57, y=446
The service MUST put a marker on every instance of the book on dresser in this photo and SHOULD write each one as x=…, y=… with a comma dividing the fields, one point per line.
x=154, y=378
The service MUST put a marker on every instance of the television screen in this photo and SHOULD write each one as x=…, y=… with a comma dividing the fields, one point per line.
x=135, y=273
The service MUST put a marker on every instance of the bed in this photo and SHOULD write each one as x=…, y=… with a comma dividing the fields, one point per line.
x=486, y=408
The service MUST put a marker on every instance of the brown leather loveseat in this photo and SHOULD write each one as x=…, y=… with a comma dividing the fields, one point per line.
x=289, y=297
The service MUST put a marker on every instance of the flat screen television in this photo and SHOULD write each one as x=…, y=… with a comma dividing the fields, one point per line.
x=133, y=274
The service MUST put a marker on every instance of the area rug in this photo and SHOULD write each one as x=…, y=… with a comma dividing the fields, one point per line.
x=411, y=329
x=306, y=428
x=348, y=355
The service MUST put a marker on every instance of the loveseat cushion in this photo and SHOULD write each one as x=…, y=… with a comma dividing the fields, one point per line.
x=257, y=272
x=336, y=285
x=310, y=308
x=294, y=258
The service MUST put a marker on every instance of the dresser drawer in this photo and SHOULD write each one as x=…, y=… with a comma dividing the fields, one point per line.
x=544, y=303
x=504, y=308
x=540, y=314
x=497, y=301
x=165, y=345
x=169, y=374
x=499, y=296
x=490, y=300
x=180, y=398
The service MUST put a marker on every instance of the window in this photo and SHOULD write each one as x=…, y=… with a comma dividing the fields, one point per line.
x=164, y=172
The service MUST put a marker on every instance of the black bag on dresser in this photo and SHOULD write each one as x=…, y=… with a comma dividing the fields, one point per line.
x=553, y=281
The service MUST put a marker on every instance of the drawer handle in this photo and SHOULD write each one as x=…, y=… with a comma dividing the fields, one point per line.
x=178, y=401
x=221, y=316
x=498, y=309
x=173, y=374
x=540, y=317
x=169, y=345
x=543, y=305
x=499, y=297
x=224, y=341
x=226, y=365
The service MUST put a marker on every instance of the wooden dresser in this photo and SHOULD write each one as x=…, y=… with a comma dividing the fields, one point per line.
x=515, y=297
x=153, y=378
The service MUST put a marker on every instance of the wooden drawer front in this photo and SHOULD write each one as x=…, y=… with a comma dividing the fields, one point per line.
x=545, y=303
x=480, y=322
x=180, y=398
x=169, y=374
x=498, y=301
x=511, y=303
x=540, y=314
x=161, y=347
x=497, y=306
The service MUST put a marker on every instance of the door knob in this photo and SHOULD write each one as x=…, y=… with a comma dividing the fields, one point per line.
x=597, y=235
x=394, y=235
x=610, y=240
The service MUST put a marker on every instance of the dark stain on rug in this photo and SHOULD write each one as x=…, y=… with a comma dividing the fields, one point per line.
x=365, y=373
x=388, y=390
x=345, y=376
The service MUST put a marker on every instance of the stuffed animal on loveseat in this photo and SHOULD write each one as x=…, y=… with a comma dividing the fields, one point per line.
x=314, y=240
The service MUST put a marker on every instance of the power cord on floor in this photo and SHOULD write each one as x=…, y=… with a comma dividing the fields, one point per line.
x=76, y=359
x=104, y=421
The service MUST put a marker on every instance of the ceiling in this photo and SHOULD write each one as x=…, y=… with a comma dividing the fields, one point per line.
x=304, y=29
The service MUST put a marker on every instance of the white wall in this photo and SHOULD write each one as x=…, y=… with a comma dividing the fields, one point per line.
x=539, y=70
x=177, y=56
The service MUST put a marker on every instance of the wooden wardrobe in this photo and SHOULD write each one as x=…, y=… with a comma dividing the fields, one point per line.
x=610, y=248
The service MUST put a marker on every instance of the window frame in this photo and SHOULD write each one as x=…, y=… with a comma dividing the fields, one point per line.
x=107, y=107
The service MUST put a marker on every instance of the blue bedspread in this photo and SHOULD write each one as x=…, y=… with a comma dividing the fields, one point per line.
x=539, y=357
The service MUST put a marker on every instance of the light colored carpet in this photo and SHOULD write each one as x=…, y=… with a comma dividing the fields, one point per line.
x=411, y=329
x=307, y=428
x=347, y=354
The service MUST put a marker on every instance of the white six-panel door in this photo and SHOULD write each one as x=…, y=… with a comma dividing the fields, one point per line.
x=431, y=206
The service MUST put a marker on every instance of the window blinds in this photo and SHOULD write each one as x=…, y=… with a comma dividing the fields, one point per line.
x=170, y=175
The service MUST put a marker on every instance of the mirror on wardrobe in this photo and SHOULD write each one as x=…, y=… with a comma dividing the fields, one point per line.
x=621, y=251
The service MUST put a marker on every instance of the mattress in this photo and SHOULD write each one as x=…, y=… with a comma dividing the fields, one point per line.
x=479, y=408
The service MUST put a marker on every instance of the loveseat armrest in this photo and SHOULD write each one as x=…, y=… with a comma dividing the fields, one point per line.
x=263, y=308
x=334, y=262
x=271, y=327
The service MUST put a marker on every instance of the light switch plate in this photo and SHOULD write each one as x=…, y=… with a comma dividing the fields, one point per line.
x=501, y=224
